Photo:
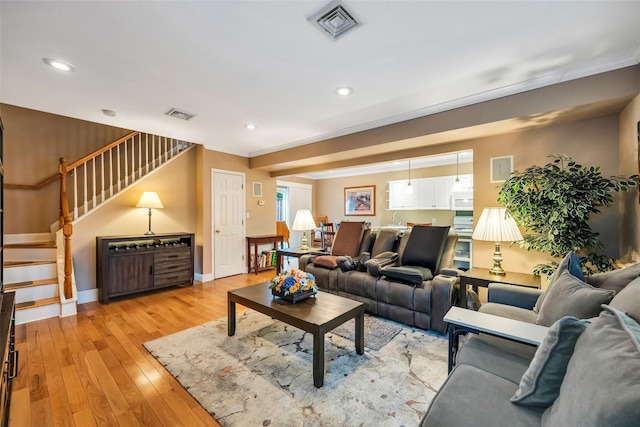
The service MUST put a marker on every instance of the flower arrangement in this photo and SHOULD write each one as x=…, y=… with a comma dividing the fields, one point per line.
x=293, y=282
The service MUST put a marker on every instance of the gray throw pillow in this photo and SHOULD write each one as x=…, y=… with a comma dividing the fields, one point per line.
x=602, y=383
x=540, y=384
x=615, y=280
x=570, y=263
x=570, y=296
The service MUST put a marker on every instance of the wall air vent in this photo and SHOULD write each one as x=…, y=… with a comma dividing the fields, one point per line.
x=174, y=112
x=335, y=20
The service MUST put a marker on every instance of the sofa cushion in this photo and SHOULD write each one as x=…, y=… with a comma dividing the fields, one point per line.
x=570, y=296
x=540, y=384
x=326, y=261
x=465, y=400
x=385, y=242
x=602, y=383
x=410, y=275
x=376, y=264
x=425, y=246
x=509, y=311
x=615, y=280
x=628, y=300
x=570, y=263
x=348, y=238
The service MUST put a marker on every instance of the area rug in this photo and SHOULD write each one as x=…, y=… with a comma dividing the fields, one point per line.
x=262, y=376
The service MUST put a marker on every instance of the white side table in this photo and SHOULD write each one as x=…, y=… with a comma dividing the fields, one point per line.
x=461, y=321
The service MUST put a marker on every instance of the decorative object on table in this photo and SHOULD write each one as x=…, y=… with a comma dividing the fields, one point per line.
x=360, y=200
x=294, y=285
x=496, y=225
x=149, y=200
x=304, y=221
x=559, y=199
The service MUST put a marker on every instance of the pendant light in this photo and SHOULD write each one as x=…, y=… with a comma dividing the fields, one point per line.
x=457, y=185
x=409, y=188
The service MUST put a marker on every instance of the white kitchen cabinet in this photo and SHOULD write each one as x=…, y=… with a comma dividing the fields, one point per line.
x=398, y=197
x=466, y=182
x=434, y=193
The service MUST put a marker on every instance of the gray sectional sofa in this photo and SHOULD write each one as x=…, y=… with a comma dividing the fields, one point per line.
x=584, y=373
x=404, y=276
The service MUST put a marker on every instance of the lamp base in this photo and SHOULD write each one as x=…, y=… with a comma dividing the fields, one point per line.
x=497, y=261
x=149, y=233
x=304, y=246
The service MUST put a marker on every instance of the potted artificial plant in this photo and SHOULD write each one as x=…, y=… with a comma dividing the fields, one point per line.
x=554, y=203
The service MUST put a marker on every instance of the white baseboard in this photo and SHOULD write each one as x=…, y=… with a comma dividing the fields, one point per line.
x=90, y=295
x=203, y=277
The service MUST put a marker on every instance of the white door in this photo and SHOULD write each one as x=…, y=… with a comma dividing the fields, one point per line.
x=300, y=197
x=228, y=223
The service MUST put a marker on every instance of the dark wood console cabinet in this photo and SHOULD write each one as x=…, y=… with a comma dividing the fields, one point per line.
x=9, y=354
x=132, y=264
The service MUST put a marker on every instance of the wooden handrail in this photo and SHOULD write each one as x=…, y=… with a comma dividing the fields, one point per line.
x=70, y=166
x=67, y=228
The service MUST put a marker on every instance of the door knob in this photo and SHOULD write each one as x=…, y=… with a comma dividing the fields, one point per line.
x=217, y=231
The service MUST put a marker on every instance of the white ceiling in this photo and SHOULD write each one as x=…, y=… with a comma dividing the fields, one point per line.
x=262, y=62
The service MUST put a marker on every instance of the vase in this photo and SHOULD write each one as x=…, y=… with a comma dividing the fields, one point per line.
x=293, y=298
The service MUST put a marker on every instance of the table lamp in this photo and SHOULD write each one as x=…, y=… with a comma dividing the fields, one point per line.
x=496, y=225
x=149, y=200
x=304, y=221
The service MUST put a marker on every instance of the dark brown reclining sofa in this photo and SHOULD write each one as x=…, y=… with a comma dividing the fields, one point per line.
x=404, y=276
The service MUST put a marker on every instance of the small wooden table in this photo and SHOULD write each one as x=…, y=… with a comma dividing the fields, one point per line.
x=256, y=241
x=294, y=252
x=482, y=277
x=461, y=320
x=317, y=315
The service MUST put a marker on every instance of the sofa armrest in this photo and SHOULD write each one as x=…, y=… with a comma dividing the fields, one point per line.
x=517, y=296
x=450, y=271
x=305, y=260
x=443, y=289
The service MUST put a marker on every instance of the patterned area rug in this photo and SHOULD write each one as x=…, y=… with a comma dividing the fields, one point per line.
x=262, y=376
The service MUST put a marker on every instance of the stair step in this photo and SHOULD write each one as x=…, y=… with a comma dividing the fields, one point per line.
x=30, y=245
x=11, y=264
x=39, y=303
x=31, y=283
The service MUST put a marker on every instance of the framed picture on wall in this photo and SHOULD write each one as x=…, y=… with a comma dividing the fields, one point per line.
x=501, y=168
x=360, y=200
x=257, y=189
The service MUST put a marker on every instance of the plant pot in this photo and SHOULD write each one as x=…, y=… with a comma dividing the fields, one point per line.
x=294, y=298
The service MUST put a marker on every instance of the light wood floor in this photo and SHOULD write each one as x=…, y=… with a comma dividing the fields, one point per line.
x=92, y=370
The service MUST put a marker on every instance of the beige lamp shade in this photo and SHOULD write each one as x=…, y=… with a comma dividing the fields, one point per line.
x=304, y=221
x=149, y=199
x=496, y=225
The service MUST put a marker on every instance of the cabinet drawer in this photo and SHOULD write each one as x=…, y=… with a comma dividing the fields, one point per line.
x=169, y=255
x=168, y=268
x=172, y=278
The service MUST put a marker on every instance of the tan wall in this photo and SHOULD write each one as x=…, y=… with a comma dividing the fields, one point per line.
x=630, y=207
x=262, y=219
x=330, y=196
x=591, y=142
x=33, y=143
x=175, y=184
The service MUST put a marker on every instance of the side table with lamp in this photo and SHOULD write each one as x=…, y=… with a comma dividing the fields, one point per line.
x=495, y=225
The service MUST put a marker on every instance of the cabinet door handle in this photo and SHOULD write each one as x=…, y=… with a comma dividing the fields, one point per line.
x=151, y=270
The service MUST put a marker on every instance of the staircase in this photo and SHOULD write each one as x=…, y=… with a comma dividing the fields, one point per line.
x=30, y=271
x=38, y=266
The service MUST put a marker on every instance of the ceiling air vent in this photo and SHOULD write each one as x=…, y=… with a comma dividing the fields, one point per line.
x=335, y=20
x=174, y=112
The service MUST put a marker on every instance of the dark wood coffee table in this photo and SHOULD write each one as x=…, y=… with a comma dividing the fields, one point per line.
x=316, y=315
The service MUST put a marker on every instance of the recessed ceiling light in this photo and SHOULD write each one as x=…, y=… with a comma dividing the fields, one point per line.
x=59, y=64
x=250, y=126
x=344, y=91
x=109, y=113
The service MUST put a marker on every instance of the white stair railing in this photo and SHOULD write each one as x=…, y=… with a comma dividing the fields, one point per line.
x=96, y=178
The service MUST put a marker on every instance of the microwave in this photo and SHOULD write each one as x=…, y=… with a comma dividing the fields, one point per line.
x=462, y=201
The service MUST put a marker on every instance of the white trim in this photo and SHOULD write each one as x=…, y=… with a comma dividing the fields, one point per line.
x=89, y=295
x=293, y=184
x=203, y=277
